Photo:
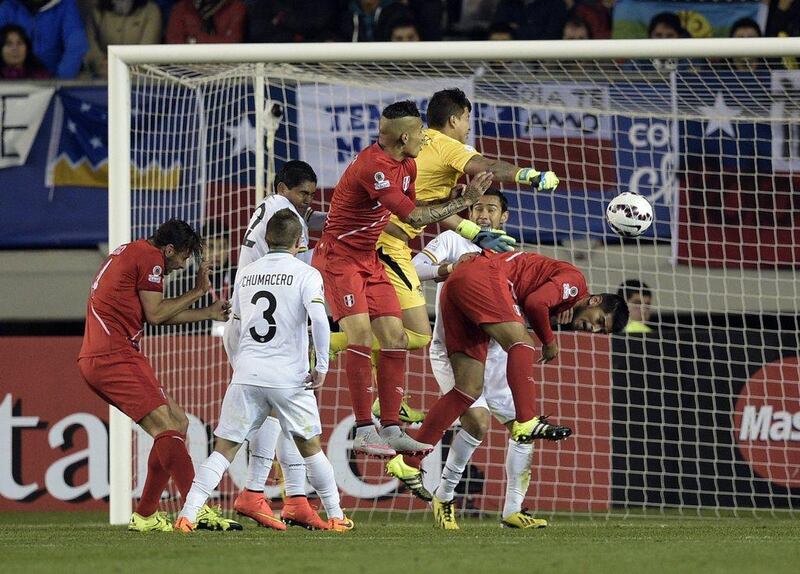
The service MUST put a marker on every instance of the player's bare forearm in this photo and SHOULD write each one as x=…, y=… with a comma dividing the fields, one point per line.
x=189, y=316
x=422, y=216
x=158, y=310
x=501, y=170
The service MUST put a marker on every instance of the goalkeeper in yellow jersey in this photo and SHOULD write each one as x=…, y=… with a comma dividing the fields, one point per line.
x=440, y=164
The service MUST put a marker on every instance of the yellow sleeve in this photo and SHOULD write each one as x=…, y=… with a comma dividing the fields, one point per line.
x=455, y=154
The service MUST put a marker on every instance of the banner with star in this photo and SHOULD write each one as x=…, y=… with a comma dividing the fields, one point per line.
x=739, y=170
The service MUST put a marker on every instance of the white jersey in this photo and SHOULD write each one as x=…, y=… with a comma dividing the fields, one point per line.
x=445, y=248
x=496, y=397
x=254, y=244
x=271, y=299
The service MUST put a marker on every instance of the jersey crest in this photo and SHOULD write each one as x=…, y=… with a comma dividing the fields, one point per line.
x=155, y=274
x=380, y=181
x=569, y=291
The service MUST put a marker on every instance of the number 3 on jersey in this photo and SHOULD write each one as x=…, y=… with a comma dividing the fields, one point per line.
x=268, y=317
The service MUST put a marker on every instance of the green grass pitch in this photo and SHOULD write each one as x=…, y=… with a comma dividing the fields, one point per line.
x=80, y=542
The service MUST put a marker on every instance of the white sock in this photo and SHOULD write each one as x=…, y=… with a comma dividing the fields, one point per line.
x=461, y=450
x=518, y=475
x=320, y=475
x=205, y=481
x=262, y=453
x=293, y=467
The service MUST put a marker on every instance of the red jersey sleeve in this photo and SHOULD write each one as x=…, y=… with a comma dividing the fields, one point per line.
x=560, y=292
x=150, y=272
x=386, y=183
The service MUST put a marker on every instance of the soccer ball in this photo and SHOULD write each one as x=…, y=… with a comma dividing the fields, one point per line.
x=629, y=214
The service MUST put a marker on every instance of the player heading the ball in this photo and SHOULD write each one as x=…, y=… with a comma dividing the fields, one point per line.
x=485, y=298
x=379, y=182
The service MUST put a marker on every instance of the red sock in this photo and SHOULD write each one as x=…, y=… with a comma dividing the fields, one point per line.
x=154, y=485
x=171, y=449
x=443, y=413
x=358, y=368
x=391, y=372
x=519, y=372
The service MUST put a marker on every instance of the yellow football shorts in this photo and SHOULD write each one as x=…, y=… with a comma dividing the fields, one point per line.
x=395, y=255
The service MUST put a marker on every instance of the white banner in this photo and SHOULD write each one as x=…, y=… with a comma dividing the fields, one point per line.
x=22, y=109
x=336, y=122
x=785, y=120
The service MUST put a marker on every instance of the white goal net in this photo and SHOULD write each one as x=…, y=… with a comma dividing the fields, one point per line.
x=702, y=412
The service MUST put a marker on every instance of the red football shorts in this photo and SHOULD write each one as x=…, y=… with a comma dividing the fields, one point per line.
x=126, y=380
x=476, y=293
x=355, y=281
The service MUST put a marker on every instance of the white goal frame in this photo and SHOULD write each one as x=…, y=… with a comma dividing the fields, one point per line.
x=119, y=85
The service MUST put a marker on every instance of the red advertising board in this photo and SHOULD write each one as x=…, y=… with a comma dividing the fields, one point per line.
x=53, y=430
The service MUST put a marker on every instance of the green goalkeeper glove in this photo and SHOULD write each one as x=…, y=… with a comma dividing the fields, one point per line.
x=494, y=239
x=540, y=180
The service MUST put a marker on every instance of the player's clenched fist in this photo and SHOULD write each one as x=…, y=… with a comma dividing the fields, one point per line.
x=219, y=310
x=549, y=352
x=477, y=187
x=314, y=379
x=539, y=180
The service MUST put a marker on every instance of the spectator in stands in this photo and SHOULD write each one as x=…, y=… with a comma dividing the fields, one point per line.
x=666, y=25
x=533, y=19
x=290, y=20
x=428, y=17
x=17, y=61
x=639, y=298
x=56, y=29
x=368, y=20
x=206, y=22
x=120, y=22
x=746, y=28
x=784, y=18
x=404, y=31
x=596, y=14
x=575, y=28
x=500, y=33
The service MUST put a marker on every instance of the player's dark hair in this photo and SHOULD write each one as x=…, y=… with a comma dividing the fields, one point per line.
x=294, y=172
x=745, y=23
x=494, y=192
x=668, y=19
x=283, y=229
x=446, y=103
x=180, y=235
x=631, y=287
x=618, y=308
x=401, y=109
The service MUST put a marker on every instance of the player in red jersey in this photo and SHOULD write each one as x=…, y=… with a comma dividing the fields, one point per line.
x=379, y=182
x=490, y=296
x=127, y=291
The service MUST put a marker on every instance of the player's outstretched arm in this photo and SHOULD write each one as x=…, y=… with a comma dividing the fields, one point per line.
x=423, y=215
x=321, y=337
x=509, y=173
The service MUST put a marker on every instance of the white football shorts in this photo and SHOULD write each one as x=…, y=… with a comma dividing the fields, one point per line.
x=496, y=396
x=245, y=407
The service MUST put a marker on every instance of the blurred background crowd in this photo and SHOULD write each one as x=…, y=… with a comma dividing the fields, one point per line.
x=69, y=38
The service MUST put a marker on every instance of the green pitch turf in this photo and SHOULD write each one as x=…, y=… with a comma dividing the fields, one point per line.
x=78, y=542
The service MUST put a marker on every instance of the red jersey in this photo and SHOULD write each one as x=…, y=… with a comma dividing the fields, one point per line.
x=371, y=188
x=114, y=313
x=542, y=287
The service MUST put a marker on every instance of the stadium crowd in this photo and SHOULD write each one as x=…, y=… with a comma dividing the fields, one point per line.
x=69, y=38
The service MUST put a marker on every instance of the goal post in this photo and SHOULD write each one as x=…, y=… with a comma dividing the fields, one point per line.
x=192, y=134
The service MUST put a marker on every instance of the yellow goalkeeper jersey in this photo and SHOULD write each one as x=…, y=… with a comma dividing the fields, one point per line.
x=439, y=166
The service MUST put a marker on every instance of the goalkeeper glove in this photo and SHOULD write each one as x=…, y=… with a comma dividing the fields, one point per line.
x=495, y=240
x=540, y=180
